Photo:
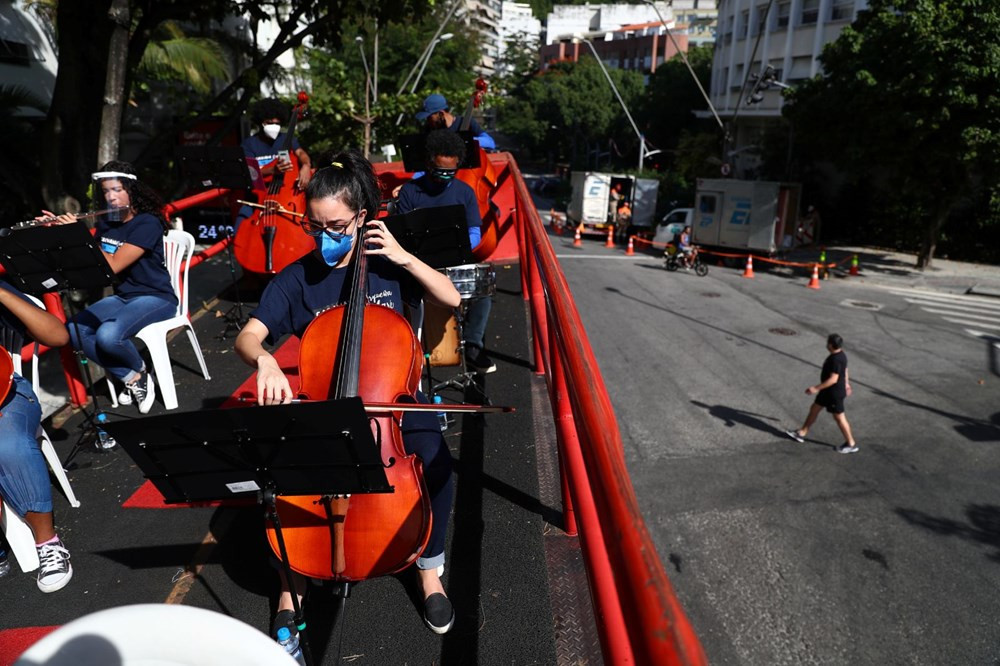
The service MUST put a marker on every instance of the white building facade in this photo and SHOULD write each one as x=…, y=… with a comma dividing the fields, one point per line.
x=789, y=38
x=518, y=25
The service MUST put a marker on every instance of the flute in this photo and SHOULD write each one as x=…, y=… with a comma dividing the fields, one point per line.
x=50, y=218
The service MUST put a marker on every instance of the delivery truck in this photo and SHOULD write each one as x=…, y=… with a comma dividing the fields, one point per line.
x=591, y=200
x=745, y=214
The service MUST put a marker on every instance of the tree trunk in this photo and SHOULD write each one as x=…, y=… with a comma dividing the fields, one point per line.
x=931, y=234
x=114, y=86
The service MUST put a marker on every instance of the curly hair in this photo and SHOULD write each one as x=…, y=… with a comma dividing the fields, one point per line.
x=445, y=143
x=272, y=107
x=347, y=176
x=142, y=198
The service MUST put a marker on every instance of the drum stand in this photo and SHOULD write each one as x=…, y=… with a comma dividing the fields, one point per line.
x=466, y=378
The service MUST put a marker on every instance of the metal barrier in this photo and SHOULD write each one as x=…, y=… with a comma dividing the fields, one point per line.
x=638, y=616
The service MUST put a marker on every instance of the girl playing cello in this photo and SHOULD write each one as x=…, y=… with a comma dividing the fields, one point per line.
x=342, y=201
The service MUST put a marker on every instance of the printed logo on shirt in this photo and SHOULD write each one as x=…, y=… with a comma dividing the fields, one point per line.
x=110, y=245
x=383, y=298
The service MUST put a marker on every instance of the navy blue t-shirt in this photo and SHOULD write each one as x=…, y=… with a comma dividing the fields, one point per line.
x=148, y=275
x=424, y=192
x=257, y=147
x=308, y=287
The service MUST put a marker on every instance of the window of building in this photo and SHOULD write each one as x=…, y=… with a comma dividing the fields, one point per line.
x=801, y=67
x=810, y=12
x=741, y=30
x=842, y=10
x=784, y=12
x=761, y=20
x=727, y=37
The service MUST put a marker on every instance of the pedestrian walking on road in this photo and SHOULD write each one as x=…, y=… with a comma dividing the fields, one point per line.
x=834, y=387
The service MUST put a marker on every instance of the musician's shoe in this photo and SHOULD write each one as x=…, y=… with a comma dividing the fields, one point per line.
x=478, y=360
x=143, y=391
x=125, y=397
x=54, y=569
x=439, y=614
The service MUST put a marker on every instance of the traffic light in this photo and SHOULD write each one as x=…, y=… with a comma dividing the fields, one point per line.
x=761, y=83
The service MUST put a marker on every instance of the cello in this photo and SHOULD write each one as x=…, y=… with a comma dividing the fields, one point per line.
x=271, y=238
x=378, y=357
x=482, y=179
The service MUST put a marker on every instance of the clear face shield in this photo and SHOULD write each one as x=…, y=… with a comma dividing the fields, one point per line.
x=116, y=205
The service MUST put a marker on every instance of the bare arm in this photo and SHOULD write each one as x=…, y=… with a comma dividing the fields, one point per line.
x=272, y=385
x=43, y=326
x=830, y=381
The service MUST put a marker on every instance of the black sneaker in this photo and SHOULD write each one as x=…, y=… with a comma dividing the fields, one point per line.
x=439, y=614
x=54, y=569
x=794, y=434
x=847, y=448
x=143, y=391
x=478, y=360
x=284, y=618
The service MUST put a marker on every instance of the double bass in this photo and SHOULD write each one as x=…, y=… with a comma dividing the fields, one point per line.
x=482, y=180
x=271, y=238
x=380, y=359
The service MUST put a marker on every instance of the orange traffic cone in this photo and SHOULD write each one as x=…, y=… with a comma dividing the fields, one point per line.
x=814, y=281
x=629, y=251
x=611, y=237
x=748, y=271
x=854, y=265
x=576, y=238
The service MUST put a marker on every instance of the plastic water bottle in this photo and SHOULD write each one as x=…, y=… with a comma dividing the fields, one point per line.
x=104, y=440
x=442, y=416
x=291, y=644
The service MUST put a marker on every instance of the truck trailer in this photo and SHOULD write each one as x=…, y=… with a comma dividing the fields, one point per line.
x=590, y=203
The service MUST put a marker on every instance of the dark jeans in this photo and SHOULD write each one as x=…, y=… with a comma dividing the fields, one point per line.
x=477, y=314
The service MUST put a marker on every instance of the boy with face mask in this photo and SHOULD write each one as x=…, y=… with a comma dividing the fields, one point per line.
x=438, y=187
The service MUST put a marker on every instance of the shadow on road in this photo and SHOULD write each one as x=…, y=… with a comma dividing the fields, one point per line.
x=983, y=526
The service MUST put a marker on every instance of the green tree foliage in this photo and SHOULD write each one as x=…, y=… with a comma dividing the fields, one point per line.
x=173, y=56
x=909, y=106
x=672, y=97
x=569, y=110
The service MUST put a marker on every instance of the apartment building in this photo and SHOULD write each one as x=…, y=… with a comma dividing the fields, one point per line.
x=518, y=24
x=789, y=38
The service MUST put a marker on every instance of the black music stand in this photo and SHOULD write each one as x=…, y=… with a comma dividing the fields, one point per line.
x=229, y=167
x=220, y=166
x=311, y=448
x=414, y=150
x=438, y=236
x=58, y=257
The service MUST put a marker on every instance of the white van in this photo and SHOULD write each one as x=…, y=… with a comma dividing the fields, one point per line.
x=672, y=224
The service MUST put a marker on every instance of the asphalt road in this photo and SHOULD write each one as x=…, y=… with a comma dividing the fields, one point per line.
x=789, y=553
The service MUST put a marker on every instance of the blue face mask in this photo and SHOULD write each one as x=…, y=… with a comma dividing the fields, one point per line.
x=333, y=247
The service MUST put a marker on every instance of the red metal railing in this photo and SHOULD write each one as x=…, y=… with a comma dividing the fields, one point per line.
x=639, y=618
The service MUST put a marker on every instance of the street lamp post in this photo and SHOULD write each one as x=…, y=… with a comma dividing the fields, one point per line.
x=443, y=38
x=614, y=88
x=364, y=61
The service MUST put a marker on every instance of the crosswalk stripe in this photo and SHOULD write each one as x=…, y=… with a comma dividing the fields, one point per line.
x=952, y=302
x=963, y=314
x=986, y=336
x=985, y=300
x=966, y=322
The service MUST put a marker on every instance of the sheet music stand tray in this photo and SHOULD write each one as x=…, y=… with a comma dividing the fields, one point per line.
x=309, y=448
x=438, y=236
x=220, y=166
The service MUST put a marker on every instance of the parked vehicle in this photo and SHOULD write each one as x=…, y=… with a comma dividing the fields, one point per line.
x=745, y=214
x=591, y=198
x=672, y=224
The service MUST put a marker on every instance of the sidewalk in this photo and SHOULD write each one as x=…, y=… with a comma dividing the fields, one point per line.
x=890, y=267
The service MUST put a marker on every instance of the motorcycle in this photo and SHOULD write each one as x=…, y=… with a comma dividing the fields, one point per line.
x=677, y=259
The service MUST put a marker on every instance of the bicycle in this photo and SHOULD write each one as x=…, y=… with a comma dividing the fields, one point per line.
x=678, y=259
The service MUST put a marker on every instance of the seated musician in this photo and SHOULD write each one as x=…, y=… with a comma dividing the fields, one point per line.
x=24, y=475
x=131, y=239
x=436, y=114
x=438, y=187
x=269, y=115
x=342, y=200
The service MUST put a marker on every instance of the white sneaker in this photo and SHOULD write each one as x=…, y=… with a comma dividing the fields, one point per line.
x=54, y=569
x=125, y=397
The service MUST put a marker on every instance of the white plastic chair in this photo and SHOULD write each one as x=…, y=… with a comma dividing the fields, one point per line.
x=178, y=246
x=19, y=536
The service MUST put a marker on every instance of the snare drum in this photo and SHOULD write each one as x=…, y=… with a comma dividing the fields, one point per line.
x=472, y=280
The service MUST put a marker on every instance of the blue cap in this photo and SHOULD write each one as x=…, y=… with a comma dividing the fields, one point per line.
x=284, y=634
x=432, y=104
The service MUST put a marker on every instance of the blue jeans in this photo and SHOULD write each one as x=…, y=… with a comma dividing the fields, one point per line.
x=106, y=326
x=477, y=313
x=24, y=476
x=422, y=436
